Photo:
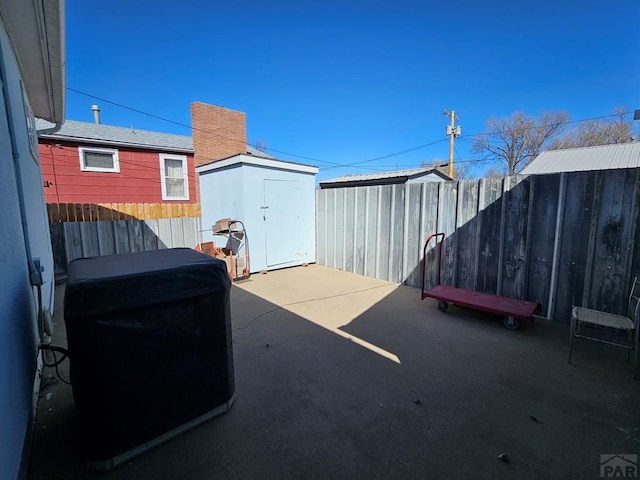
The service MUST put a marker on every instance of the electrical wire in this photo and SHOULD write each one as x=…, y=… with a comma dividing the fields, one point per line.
x=164, y=119
x=304, y=157
x=390, y=155
x=568, y=122
x=54, y=349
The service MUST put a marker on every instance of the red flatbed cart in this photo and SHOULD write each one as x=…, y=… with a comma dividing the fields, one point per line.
x=515, y=311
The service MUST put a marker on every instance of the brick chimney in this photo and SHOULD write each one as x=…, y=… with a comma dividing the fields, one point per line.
x=218, y=133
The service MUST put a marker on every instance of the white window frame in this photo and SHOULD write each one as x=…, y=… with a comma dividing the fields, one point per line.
x=183, y=158
x=114, y=153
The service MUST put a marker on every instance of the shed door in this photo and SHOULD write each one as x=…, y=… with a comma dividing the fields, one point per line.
x=282, y=221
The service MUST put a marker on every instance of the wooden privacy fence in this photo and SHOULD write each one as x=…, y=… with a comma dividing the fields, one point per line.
x=71, y=240
x=554, y=239
x=96, y=212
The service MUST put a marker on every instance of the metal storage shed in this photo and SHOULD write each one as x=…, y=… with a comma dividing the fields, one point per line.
x=274, y=199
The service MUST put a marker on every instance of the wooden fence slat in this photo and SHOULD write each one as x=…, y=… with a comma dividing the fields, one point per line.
x=467, y=227
x=106, y=240
x=63, y=215
x=77, y=210
x=608, y=288
x=72, y=240
x=543, y=214
x=58, y=248
x=89, y=239
x=136, y=237
x=86, y=212
x=447, y=209
x=52, y=212
x=164, y=233
x=150, y=233
x=514, y=267
x=121, y=236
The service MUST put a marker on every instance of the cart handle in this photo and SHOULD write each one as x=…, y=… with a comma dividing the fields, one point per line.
x=424, y=257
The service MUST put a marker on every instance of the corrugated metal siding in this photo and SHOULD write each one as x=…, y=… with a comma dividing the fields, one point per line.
x=554, y=239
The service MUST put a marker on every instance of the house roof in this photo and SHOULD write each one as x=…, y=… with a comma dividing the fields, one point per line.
x=398, y=176
x=257, y=160
x=603, y=157
x=100, y=134
x=36, y=31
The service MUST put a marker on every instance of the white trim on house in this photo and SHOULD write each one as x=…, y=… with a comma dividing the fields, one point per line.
x=114, y=155
x=257, y=161
x=163, y=178
x=36, y=30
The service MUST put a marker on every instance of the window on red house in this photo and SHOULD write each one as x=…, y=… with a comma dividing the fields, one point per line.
x=99, y=160
x=173, y=170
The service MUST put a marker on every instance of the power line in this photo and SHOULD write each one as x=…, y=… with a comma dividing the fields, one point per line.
x=164, y=119
x=390, y=155
x=569, y=122
x=304, y=157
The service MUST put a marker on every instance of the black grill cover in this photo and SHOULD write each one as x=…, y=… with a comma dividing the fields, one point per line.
x=149, y=337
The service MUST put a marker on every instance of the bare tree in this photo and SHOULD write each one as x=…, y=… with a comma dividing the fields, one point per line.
x=460, y=170
x=261, y=145
x=517, y=140
x=597, y=132
x=493, y=172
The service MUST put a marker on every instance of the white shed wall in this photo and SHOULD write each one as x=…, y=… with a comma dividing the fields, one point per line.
x=277, y=206
x=220, y=199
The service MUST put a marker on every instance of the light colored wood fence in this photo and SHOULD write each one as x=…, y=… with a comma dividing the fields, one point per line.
x=91, y=212
x=554, y=239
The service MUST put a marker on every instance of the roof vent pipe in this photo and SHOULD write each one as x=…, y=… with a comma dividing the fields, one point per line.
x=96, y=113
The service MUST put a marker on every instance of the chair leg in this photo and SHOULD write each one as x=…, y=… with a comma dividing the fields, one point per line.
x=571, y=336
x=635, y=356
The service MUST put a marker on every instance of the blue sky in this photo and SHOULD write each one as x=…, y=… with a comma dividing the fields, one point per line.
x=342, y=82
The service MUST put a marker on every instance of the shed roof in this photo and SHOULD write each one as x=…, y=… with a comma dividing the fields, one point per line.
x=259, y=161
x=603, y=157
x=397, y=176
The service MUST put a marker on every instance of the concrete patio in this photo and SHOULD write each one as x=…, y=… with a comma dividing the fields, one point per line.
x=343, y=376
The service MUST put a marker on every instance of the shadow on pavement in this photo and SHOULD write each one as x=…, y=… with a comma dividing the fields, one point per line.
x=311, y=403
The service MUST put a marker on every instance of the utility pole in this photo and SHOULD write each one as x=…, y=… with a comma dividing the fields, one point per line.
x=453, y=132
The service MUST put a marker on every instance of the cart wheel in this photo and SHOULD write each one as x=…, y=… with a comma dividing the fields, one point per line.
x=443, y=306
x=511, y=323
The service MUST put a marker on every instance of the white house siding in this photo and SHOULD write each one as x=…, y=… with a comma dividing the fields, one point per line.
x=19, y=172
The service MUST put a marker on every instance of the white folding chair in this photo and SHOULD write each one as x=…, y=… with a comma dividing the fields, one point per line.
x=582, y=317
